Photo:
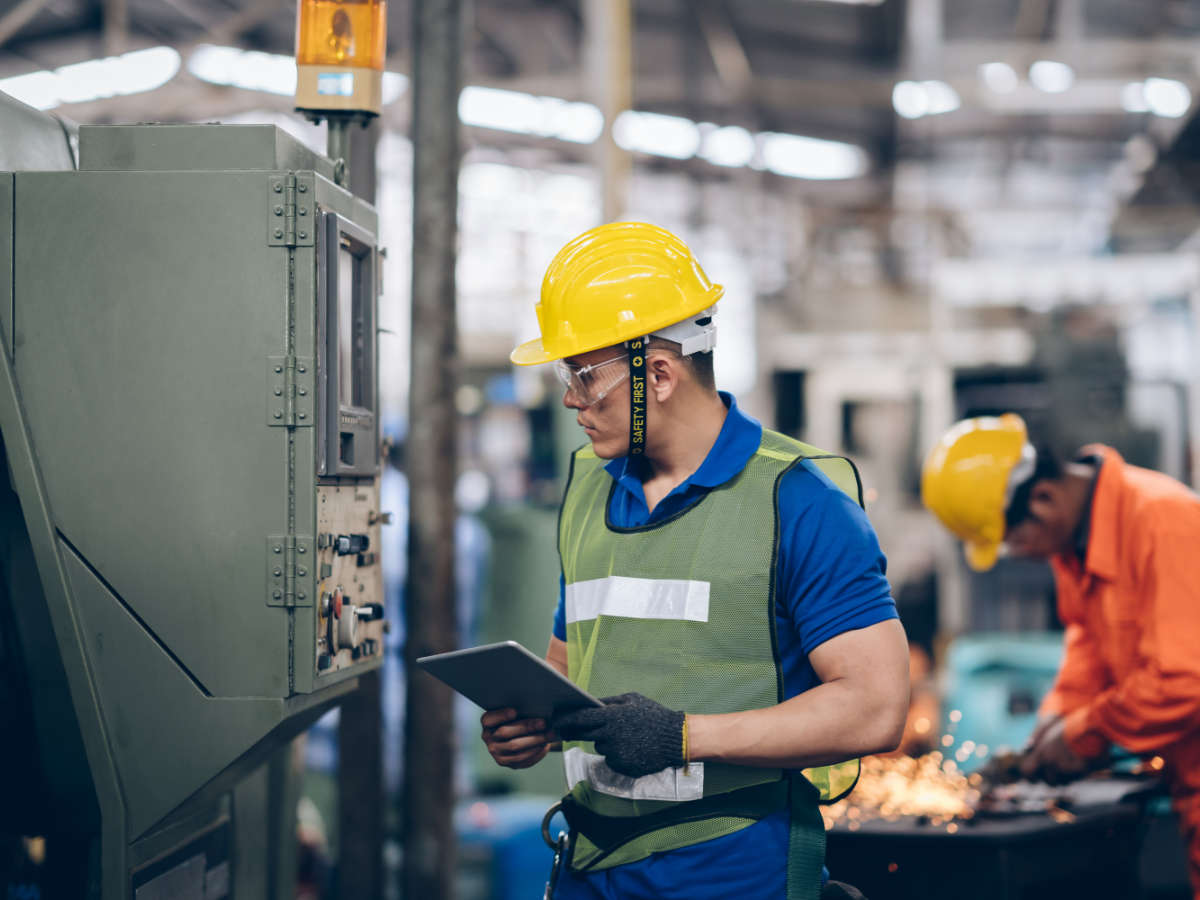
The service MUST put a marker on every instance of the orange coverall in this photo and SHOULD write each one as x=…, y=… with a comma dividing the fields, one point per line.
x=1131, y=669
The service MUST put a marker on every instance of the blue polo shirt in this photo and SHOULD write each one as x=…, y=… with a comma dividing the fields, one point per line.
x=830, y=577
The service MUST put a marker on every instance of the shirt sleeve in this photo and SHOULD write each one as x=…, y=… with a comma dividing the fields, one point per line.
x=1159, y=701
x=1081, y=676
x=832, y=574
x=560, y=611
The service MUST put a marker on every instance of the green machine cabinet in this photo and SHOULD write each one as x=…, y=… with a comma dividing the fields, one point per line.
x=190, y=511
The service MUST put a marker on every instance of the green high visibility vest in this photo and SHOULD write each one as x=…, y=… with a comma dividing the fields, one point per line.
x=683, y=611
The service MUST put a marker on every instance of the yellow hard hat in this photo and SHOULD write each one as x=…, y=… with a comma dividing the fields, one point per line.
x=614, y=283
x=967, y=481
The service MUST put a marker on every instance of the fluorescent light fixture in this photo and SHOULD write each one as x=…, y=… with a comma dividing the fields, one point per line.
x=913, y=99
x=910, y=100
x=1133, y=98
x=999, y=77
x=656, y=134
x=521, y=113
x=942, y=97
x=272, y=73
x=253, y=70
x=1167, y=97
x=1050, y=76
x=729, y=146
x=114, y=76
x=798, y=156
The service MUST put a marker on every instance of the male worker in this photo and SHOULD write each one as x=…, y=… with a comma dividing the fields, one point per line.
x=717, y=581
x=1124, y=544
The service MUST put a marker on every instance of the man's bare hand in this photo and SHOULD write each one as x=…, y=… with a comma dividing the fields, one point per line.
x=513, y=742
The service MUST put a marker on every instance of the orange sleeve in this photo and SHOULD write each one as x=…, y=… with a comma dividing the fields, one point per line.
x=1159, y=702
x=1082, y=675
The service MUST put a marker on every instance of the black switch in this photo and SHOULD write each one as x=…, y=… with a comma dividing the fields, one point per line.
x=324, y=661
x=347, y=544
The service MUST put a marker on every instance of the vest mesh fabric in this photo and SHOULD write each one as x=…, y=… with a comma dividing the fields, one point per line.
x=726, y=663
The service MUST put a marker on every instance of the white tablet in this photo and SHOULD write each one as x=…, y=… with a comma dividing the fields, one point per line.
x=504, y=675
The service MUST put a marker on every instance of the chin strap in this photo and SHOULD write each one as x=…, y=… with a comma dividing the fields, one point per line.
x=637, y=397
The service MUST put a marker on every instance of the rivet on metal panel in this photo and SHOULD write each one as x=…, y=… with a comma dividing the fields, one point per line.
x=278, y=414
x=278, y=392
x=301, y=391
x=300, y=549
x=302, y=187
x=278, y=210
x=277, y=571
x=278, y=232
x=303, y=210
x=278, y=369
x=300, y=596
x=302, y=571
x=300, y=367
x=303, y=235
x=277, y=186
x=277, y=548
x=276, y=594
x=300, y=415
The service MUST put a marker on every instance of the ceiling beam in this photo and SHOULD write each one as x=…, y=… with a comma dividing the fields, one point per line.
x=19, y=17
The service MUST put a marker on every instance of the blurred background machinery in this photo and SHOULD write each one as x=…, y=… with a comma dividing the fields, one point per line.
x=920, y=209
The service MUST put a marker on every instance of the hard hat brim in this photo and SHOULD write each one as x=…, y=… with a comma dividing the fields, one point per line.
x=981, y=557
x=531, y=353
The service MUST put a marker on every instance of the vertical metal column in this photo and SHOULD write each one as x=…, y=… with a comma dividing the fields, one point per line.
x=430, y=614
x=360, y=725
x=608, y=54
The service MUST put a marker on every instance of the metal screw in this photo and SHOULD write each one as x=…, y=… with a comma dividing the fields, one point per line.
x=300, y=368
x=301, y=572
x=303, y=210
x=278, y=392
x=303, y=235
x=277, y=549
x=301, y=415
x=302, y=187
x=278, y=571
x=300, y=595
x=300, y=549
x=278, y=414
x=278, y=210
x=276, y=186
x=278, y=232
x=277, y=594
x=301, y=391
x=278, y=369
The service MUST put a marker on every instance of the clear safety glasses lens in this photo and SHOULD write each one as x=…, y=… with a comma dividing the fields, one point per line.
x=591, y=384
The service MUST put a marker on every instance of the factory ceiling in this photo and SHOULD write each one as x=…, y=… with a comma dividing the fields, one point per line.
x=1032, y=123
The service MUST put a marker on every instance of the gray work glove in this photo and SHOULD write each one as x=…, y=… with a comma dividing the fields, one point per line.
x=635, y=735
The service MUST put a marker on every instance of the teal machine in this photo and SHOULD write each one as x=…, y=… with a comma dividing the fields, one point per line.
x=189, y=514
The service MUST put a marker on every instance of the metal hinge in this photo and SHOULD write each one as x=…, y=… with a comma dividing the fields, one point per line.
x=290, y=560
x=290, y=391
x=290, y=218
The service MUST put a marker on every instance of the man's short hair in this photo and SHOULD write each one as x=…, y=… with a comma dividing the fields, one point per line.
x=699, y=364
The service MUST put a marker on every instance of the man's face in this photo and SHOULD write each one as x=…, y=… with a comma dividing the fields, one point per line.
x=606, y=423
x=1047, y=529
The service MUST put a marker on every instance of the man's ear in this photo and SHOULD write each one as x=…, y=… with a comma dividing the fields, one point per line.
x=662, y=376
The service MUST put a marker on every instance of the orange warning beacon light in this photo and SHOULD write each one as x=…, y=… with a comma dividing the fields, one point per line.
x=340, y=51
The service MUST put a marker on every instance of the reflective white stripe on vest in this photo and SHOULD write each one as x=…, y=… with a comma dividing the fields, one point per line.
x=637, y=598
x=669, y=784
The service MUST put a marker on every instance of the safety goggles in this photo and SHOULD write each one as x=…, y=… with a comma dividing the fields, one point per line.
x=591, y=384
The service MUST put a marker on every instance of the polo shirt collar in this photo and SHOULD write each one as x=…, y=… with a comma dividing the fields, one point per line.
x=737, y=441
